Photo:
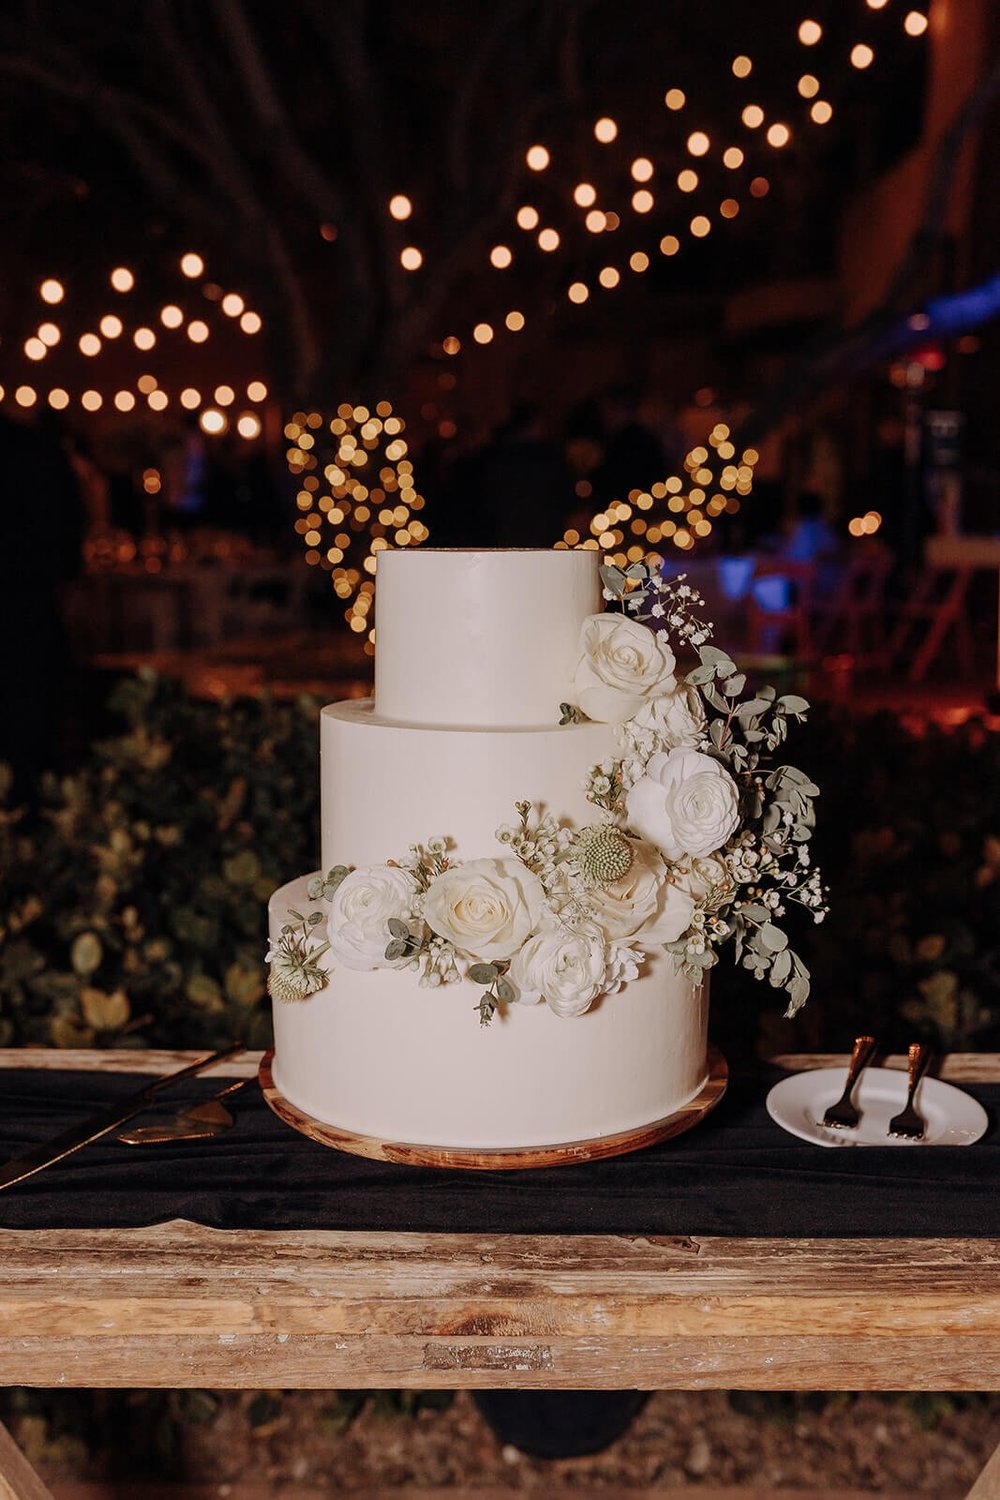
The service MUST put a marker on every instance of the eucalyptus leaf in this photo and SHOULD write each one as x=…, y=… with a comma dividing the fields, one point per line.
x=397, y=928
x=396, y=949
x=713, y=656
x=314, y=890
x=315, y=917
x=733, y=686
x=772, y=937
x=505, y=991
x=483, y=973
x=781, y=968
x=698, y=676
x=791, y=703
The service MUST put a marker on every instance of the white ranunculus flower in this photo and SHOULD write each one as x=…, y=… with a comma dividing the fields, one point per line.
x=622, y=665
x=564, y=966
x=645, y=907
x=687, y=803
x=486, y=907
x=701, y=877
x=676, y=720
x=358, y=924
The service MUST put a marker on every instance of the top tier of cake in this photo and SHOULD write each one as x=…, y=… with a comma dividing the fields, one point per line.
x=479, y=640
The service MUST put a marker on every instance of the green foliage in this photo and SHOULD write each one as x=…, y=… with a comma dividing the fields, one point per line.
x=133, y=903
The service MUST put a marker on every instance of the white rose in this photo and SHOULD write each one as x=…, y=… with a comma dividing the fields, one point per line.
x=358, y=924
x=622, y=664
x=677, y=720
x=687, y=803
x=563, y=966
x=486, y=907
x=645, y=906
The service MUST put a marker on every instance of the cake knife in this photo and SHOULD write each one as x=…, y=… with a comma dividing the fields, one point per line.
x=106, y=1120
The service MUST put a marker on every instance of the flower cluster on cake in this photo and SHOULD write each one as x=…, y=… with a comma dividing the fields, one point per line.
x=700, y=838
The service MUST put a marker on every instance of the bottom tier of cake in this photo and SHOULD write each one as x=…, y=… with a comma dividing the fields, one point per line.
x=374, y=1053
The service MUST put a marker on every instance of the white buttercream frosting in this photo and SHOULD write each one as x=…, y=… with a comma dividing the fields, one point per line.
x=479, y=638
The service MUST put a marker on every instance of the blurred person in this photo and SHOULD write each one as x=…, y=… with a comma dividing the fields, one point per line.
x=42, y=524
x=633, y=456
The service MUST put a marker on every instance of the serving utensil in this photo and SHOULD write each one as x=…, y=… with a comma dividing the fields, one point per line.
x=193, y=1123
x=908, y=1123
x=844, y=1113
x=102, y=1123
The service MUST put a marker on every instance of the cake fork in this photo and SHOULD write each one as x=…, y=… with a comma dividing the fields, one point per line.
x=908, y=1124
x=844, y=1113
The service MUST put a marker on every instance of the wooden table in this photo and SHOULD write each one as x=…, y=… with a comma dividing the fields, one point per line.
x=181, y=1305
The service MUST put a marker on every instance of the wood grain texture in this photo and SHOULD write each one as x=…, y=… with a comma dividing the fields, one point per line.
x=410, y=1154
x=18, y=1480
x=181, y=1305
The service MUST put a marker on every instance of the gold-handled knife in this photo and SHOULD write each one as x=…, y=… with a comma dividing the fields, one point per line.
x=104, y=1121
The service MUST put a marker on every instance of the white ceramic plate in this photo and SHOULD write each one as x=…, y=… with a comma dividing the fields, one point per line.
x=797, y=1104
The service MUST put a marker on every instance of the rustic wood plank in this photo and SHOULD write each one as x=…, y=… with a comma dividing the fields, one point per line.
x=987, y=1486
x=180, y=1304
x=18, y=1480
x=560, y=1489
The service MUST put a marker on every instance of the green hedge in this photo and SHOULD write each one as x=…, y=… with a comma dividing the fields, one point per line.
x=132, y=901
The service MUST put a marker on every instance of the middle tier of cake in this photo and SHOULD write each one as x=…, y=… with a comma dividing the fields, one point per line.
x=386, y=785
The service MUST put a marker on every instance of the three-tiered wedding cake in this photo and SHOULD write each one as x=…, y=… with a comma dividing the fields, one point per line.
x=426, y=924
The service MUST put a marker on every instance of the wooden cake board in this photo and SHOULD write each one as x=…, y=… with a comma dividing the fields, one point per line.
x=502, y=1158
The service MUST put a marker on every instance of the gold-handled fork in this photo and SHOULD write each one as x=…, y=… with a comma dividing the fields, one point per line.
x=908, y=1124
x=844, y=1113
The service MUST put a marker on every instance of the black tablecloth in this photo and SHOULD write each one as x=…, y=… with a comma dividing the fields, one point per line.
x=736, y=1174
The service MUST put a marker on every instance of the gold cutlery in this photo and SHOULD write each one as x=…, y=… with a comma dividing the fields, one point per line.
x=908, y=1124
x=194, y=1123
x=97, y=1125
x=844, y=1113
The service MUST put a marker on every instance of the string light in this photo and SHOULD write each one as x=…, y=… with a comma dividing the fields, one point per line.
x=51, y=291
x=527, y=217
x=862, y=56
x=212, y=421
x=158, y=400
x=483, y=333
x=514, y=321
x=248, y=425
x=915, y=23
x=609, y=277
x=698, y=143
x=124, y=400
x=224, y=395
x=596, y=221
x=810, y=33
x=700, y=226
x=729, y=208
x=641, y=169
x=642, y=201
x=675, y=99
x=197, y=331
x=759, y=187
x=91, y=400
x=256, y=391
x=578, y=292
x=251, y=323
x=687, y=180
x=50, y=334
x=605, y=130
x=821, y=112
x=548, y=240
x=35, y=349
x=669, y=245
x=501, y=256
x=584, y=194
x=639, y=261
x=89, y=344
x=122, y=279
x=192, y=265
x=752, y=116
x=808, y=86
x=400, y=206
x=232, y=304
x=742, y=67
x=778, y=135
x=111, y=326
x=732, y=158
x=58, y=399
x=537, y=158
x=410, y=258
x=145, y=338
x=171, y=316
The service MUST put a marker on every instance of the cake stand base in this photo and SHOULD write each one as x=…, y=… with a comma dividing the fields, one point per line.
x=504, y=1157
